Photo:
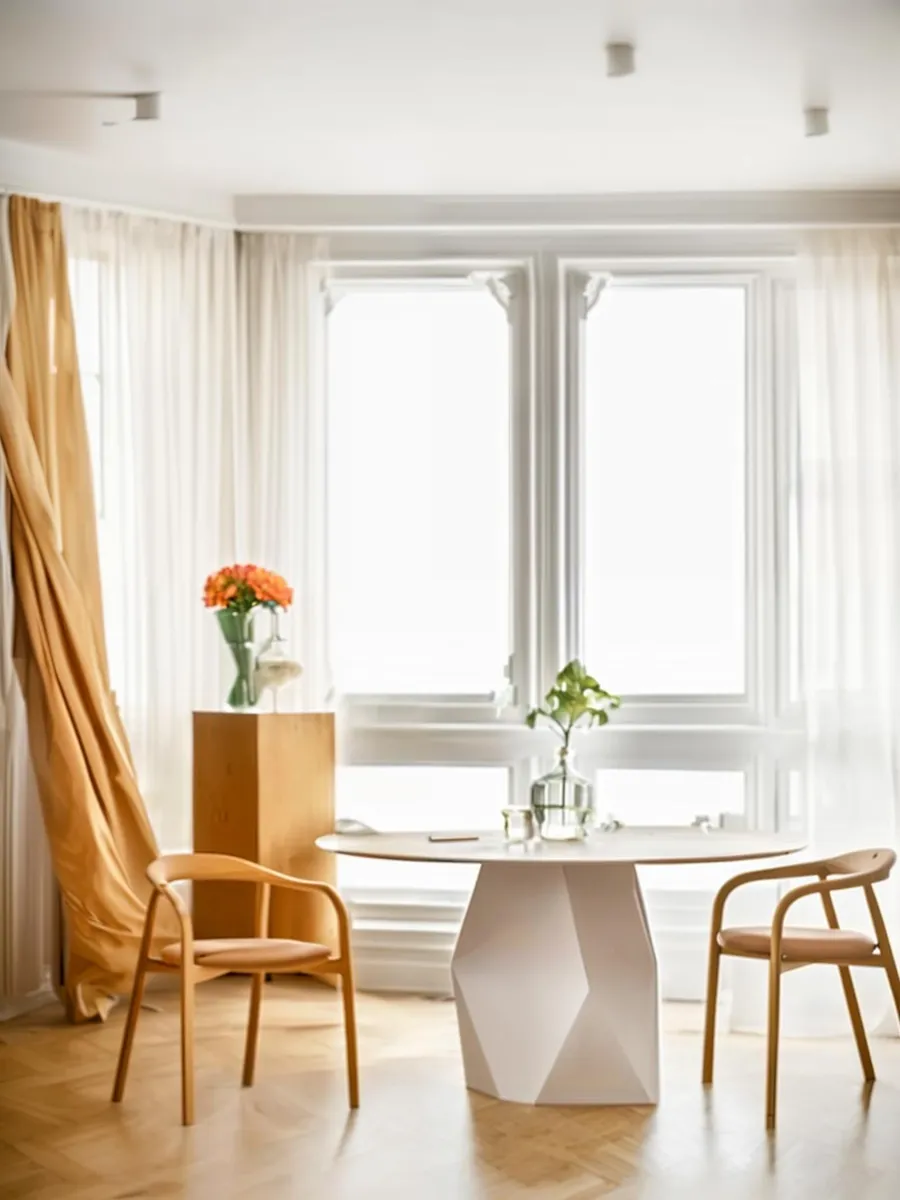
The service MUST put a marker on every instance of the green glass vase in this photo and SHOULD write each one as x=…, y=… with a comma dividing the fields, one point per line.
x=237, y=629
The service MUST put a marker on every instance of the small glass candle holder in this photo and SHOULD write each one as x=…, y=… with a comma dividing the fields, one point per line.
x=518, y=823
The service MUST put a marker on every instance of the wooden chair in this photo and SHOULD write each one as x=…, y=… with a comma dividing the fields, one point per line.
x=257, y=957
x=786, y=948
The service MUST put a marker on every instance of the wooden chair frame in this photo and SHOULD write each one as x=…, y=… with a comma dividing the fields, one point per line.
x=860, y=869
x=172, y=868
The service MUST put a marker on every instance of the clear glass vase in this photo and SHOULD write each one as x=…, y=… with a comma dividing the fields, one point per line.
x=274, y=668
x=237, y=629
x=563, y=802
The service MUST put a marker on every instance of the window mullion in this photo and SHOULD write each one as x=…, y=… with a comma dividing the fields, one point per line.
x=550, y=504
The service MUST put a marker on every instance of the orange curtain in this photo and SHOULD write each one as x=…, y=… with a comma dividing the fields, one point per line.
x=99, y=834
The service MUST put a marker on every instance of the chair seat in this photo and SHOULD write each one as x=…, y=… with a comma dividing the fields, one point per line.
x=249, y=954
x=799, y=945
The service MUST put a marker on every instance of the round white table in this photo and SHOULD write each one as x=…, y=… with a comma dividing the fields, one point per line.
x=554, y=971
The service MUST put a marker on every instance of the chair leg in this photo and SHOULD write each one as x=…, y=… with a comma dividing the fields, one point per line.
x=890, y=967
x=256, y=991
x=712, y=995
x=859, y=1029
x=134, y=1011
x=187, y=1043
x=884, y=946
x=772, y=1039
x=348, y=997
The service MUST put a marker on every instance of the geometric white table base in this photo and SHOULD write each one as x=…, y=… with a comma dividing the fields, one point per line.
x=555, y=981
x=554, y=970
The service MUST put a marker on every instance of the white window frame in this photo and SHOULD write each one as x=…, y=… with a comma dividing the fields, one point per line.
x=755, y=734
x=752, y=732
x=749, y=732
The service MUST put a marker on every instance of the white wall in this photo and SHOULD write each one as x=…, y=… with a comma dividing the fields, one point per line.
x=62, y=175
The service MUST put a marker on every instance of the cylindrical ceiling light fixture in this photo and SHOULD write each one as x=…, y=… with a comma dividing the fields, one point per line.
x=619, y=59
x=146, y=106
x=815, y=121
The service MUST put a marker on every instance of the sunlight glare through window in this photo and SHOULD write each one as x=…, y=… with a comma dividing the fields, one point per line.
x=418, y=386
x=665, y=371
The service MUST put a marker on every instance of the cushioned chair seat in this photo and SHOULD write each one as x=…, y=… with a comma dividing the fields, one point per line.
x=249, y=954
x=799, y=945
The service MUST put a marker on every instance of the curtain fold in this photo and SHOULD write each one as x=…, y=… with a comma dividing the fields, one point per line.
x=100, y=837
x=26, y=892
x=212, y=451
x=848, y=291
x=283, y=515
x=171, y=456
x=208, y=441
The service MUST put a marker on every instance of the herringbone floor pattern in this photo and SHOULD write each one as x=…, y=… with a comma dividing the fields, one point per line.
x=419, y=1134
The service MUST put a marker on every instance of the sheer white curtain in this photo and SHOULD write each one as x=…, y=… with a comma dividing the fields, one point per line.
x=169, y=431
x=283, y=519
x=26, y=891
x=849, y=358
x=211, y=433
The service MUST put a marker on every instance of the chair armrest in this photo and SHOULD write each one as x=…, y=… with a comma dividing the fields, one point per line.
x=185, y=924
x=822, y=887
x=227, y=868
x=289, y=883
x=790, y=871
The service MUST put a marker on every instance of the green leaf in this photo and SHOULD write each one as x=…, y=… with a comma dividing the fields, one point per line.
x=575, y=697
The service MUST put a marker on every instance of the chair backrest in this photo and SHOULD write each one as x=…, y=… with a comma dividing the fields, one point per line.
x=172, y=867
x=867, y=866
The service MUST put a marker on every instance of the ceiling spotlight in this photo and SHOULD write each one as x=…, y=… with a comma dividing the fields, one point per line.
x=815, y=121
x=146, y=106
x=619, y=58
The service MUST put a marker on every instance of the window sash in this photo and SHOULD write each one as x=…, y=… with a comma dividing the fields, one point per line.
x=509, y=281
x=582, y=279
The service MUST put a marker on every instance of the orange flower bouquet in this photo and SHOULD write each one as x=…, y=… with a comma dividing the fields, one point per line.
x=236, y=592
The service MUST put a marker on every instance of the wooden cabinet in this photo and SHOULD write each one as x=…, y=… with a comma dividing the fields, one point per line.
x=264, y=790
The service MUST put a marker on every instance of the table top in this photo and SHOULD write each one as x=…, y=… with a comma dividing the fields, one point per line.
x=645, y=846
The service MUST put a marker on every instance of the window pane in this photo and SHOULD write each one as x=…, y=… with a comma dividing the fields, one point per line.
x=795, y=629
x=84, y=290
x=665, y=375
x=431, y=799
x=418, y=383
x=93, y=416
x=647, y=797
x=796, y=819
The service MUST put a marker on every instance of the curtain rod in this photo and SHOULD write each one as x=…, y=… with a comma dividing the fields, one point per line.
x=108, y=206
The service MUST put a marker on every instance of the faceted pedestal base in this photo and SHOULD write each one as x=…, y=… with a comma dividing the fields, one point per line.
x=556, y=987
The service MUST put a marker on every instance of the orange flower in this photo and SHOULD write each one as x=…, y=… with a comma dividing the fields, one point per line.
x=244, y=586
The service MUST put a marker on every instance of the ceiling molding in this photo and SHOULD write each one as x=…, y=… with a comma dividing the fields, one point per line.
x=677, y=210
x=49, y=173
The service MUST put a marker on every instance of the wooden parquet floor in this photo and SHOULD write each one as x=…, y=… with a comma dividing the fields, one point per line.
x=419, y=1134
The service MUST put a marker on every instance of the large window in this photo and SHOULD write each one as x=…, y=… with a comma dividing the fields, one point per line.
x=419, y=418
x=595, y=465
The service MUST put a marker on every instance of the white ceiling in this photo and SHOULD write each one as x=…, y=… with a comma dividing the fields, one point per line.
x=465, y=96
